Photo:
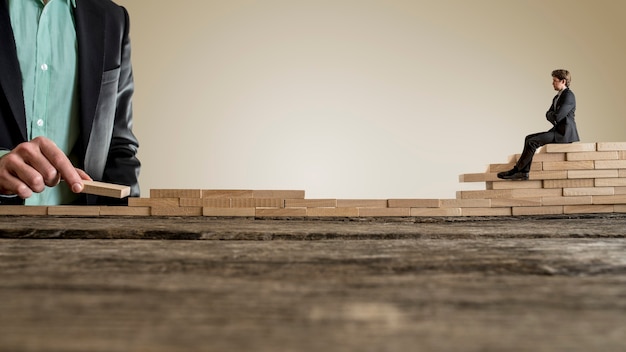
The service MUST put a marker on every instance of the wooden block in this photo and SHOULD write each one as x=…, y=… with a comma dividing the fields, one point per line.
x=106, y=189
x=580, y=200
x=435, y=211
x=486, y=212
x=413, y=203
x=620, y=190
x=611, y=146
x=547, y=175
x=568, y=165
x=176, y=211
x=361, y=203
x=569, y=183
x=479, y=177
x=532, y=193
x=544, y=210
x=31, y=210
x=570, y=147
x=229, y=212
x=310, y=203
x=588, y=191
x=153, y=202
x=204, y=202
x=242, y=203
x=495, y=168
x=466, y=203
x=384, y=212
x=175, y=193
x=269, y=202
x=284, y=194
x=486, y=194
x=514, y=185
x=622, y=154
x=588, y=209
x=124, y=211
x=280, y=212
x=227, y=193
x=592, y=156
x=74, y=210
x=615, y=199
x=515, y=202
x=592, y=174
x=541, y=157
x=610, y=164
x=332, y=212
x=621, y=173
x=610, y=182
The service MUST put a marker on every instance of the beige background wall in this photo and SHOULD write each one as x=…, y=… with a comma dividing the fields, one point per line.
x=358, y=98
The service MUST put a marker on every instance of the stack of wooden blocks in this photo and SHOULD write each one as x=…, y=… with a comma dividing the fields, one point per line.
x=572, y=178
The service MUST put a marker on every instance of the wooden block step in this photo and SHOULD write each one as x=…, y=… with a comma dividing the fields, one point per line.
x=542, y=210
x=413, y=203
x=602, y=146
x=361, y=203
x=588, y=191
x=332, y=212
x=465, y=203
x=280, y=212
x=515, y=202
x=30, y=210
x=124, y=211
x=569, y=183
x=384, y=212
x=74, y=210
x=592, y=156
x=592, y=174
x=486, y=212
x=176, y=211
x=227, y=193
x=568, y=165
x=615, y=199
x=610, y=164
x=105, y=189
x=570, y=147
x=435, y=212
x=502, y=184
x=572, y=200
x=588, y=209
x=310, y=203
x=175, y=193
x=284, y=194
x=153, y=202
x=229, y=212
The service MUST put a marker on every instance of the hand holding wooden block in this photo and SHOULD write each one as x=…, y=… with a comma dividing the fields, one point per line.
x=105, y=189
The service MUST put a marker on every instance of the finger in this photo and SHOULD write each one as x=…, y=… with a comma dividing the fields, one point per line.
x=62, y=164
x=11, y=185
x=18, y=177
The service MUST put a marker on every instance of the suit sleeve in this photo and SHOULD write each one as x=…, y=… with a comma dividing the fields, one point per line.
x=122, y=165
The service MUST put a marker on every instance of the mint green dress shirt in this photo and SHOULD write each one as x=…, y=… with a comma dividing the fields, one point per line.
x=45, y=38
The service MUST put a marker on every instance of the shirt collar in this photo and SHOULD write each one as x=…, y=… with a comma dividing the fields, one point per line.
x=71, y=2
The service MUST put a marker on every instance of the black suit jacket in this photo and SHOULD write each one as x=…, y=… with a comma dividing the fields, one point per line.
x=561, y=114
x=106, y=147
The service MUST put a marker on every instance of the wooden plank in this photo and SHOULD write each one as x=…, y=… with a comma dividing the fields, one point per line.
x=124, y=211
x=284, y=194
x=592, y=173
x=31, y=210
x=610, y=182
x=621, y=173
x=153, y=202
x=486, y=194
x=610, y=164
x=570, y=147
x=588, y=191
x=543, y=210
x=611, y=146
x=310, y=203
x=269, y=202
x=280, y=212
x=534, y=166
x=227, y=193
x=242, y=203
x=361, y=203
x=588, y=209
x=486, y=212
x=514, y=185
x=332, y=212
x=622, y=154
x=466, y=203
x=175, y=193
x=74, y=210
x=620, y=190
x=384, y=212
x=568, y=165
x=515, y=202
x=592, y=156
x=418, y=212
x=531, y=193
x=619, y=208
x=478, y=177
x=176, y=211
x=569, y=183
x=205, y=202
x=615, y=199
x=105, y=189
x=579, y=200
x=414, y=203
x=547, y=175
x=229, y=212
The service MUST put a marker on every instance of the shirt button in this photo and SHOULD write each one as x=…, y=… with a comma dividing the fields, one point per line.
x=40, y=122
x=44, y=67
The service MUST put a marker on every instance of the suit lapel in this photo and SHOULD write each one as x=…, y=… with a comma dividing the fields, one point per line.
x=10, y=73
x=90, y=34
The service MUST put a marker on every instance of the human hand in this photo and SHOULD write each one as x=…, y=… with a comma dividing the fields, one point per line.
x=32, y=165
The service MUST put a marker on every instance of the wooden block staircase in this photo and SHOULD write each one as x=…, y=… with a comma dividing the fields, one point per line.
x=577, y=178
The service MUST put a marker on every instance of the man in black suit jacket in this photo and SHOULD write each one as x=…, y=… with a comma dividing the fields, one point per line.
x=106, y=147
x=561, y=115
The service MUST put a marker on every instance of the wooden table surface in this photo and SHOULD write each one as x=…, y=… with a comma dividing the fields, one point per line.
x=208, y=284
